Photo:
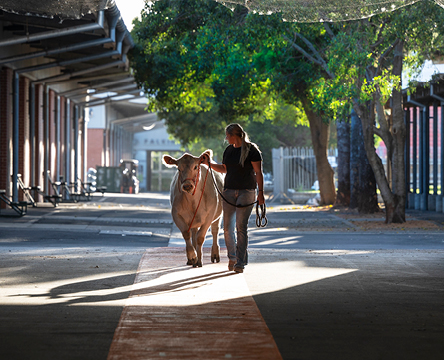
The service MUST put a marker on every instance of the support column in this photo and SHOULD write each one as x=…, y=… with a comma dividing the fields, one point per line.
x=85, y=144
x=407, y=156
x=442, y=156
x=15, y=135
x=436, y=205
x=76, y=146
x=46, y=140
x=425, y=166
x=32, y=133
x=148, y=171
x=56, y=176
x=67, y=141
x=415, y=155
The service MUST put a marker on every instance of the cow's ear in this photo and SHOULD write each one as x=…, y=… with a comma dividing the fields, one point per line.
x=208, y=152
x=169, y=161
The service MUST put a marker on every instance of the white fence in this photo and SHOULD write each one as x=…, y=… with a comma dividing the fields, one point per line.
x=294, y=169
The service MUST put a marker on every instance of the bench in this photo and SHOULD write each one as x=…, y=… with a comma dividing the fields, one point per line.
x=101, y=189
x=20, y=207
x=57, y=197
x=67, y=190
x=27, y=191
x=80, y=191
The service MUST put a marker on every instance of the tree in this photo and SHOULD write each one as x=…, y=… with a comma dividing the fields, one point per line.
x=362, y=180
x=401, y=34
x=292, y=78
x=199, y=63
x=363, y=64
x=343, y=160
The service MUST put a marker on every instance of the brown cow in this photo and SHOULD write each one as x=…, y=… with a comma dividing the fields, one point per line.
x=193, y=211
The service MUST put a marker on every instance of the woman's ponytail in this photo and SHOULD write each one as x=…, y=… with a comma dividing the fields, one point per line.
x=236, y=130
x=245, y=149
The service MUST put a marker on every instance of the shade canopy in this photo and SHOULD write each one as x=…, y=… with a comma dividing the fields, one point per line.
x=322, y=10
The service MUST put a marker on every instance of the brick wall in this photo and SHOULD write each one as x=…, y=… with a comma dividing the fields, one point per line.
x=5, y=130
x=94, y=148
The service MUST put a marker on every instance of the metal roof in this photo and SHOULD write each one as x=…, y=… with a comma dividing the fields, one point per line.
x=73, y=9
x=76, y=47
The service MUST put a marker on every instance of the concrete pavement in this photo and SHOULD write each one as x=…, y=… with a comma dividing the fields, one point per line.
x=325, y=287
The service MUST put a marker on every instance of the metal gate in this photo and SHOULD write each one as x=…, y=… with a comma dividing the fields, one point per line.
x=294, y=169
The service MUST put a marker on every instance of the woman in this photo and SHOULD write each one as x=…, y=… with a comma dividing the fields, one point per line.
x=242, y=162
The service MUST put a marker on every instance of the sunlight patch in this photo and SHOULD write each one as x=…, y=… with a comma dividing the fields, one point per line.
x=278, y=276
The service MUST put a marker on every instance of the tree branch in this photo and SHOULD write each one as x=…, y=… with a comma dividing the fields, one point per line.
x=318, y=60
x=378, y=132
x=329, y=30
x=310, y=46
x=384, y=126
x=379, y=39
x=384, y=56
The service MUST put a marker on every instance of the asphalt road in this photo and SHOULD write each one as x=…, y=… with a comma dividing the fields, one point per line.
x=325, y=289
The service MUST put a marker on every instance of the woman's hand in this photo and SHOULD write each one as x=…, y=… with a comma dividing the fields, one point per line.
x=205, y=159
x=260, y=198
x=257, y=167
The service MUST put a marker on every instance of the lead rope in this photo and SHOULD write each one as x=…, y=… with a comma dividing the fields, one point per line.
x=203, y=189
x=261, y=219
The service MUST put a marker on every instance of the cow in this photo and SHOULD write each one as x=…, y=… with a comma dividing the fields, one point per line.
x=195, y=204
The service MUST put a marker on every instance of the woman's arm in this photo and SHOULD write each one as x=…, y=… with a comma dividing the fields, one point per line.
x=257, y=167
x=214, y=165
x=218, y=167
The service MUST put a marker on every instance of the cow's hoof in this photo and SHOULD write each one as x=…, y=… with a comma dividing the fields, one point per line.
x=192, y=262
x=215, y=258
x=197, y=264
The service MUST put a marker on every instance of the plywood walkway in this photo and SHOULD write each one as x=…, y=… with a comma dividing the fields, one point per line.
x=178, y=312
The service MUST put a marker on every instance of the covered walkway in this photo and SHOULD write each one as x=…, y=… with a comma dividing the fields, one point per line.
x=107, y=279
x=59, y=60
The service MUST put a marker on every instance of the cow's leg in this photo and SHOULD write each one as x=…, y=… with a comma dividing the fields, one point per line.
x=186, y=234
x=194, y=237
x=215, y=249
x=200, y=238
x=191, y=252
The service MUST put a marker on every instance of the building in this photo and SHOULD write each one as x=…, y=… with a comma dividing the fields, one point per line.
x=58, y=61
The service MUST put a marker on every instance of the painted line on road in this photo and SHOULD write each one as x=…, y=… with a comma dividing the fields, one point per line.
x=125, y=233
x=109, y=219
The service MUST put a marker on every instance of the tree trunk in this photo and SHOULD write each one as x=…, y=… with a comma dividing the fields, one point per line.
x=395, y=212
x=343, y=133
x=363, y=182
x=368, y=198
x=319, y=136
x=394, y=200
x=354, y=160
x=378, y=168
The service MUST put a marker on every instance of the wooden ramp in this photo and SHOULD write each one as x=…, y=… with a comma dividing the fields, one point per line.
x=178, y=312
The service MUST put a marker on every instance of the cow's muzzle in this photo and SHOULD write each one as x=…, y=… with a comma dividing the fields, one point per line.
x=188, y=186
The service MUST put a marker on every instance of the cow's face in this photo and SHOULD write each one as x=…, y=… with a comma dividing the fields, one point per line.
x=189, y=169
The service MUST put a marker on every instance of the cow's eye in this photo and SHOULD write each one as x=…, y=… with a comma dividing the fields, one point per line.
x=195, y=167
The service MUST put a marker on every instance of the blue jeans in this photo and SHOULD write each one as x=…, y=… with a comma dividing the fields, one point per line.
x=237, y=250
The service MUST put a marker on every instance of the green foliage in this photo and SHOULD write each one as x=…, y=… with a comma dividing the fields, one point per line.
x=201, y=66
x=362, y=50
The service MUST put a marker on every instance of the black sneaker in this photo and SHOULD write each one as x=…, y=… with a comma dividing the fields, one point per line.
x=231, y=265
x=238, y=269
